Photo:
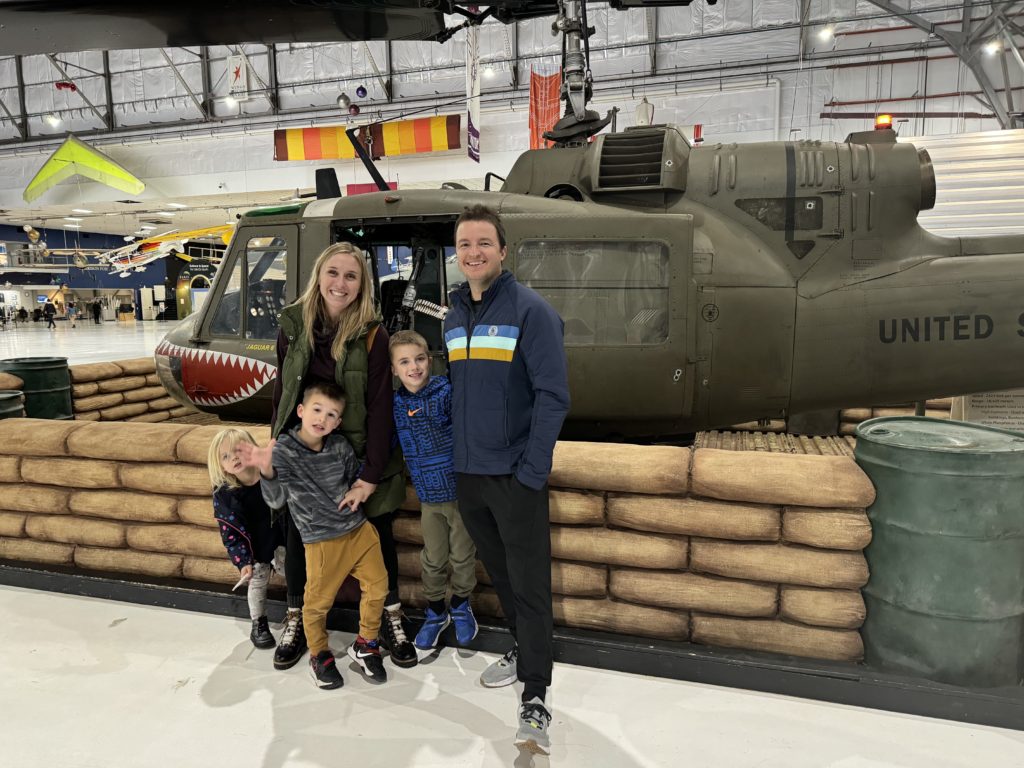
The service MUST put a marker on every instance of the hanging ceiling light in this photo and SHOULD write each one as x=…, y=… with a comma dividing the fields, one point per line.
x=826, y=33
x=992, y=47
x=344, y=101
x=52, y=120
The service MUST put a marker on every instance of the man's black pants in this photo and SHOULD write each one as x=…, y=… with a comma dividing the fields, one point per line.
x=509, y=524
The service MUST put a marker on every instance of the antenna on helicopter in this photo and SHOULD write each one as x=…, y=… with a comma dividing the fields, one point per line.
x=579, y=123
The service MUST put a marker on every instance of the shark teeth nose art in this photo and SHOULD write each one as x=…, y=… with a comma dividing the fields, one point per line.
x=237, y=377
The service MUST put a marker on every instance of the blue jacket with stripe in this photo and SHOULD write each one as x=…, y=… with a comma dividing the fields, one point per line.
x=510, y=384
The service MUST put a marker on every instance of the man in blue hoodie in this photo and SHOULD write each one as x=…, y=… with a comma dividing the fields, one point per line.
x=510, y=396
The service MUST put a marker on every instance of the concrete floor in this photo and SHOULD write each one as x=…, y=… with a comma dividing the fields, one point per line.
x=86, y=343
x=95, y=683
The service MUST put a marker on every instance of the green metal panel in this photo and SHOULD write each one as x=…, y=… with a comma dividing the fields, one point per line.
x=47, y=385
x=946, y=596
x=12, y=404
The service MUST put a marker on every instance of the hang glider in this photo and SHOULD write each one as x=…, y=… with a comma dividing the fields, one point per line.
x=135, y=256
x=76, y=158
x=52, y=26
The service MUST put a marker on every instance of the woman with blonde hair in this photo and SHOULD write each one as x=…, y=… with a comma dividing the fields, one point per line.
x=333, y=333
x=246, y=528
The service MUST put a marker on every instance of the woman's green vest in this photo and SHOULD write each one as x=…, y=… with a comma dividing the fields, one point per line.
x=351, y=374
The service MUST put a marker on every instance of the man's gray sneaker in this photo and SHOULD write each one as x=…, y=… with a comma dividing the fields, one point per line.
x=501, y=672
x=534, y=719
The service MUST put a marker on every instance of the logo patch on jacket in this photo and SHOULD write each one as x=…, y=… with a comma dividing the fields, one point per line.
x=489, y=342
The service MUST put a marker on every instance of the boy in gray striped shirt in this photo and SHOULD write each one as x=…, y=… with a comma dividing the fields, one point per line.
x=311, y=468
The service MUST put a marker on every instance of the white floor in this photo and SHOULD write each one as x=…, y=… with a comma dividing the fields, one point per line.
x=86, y=343
x=86, y=682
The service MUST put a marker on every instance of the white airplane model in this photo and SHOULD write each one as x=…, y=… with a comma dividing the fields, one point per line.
x=135, y=255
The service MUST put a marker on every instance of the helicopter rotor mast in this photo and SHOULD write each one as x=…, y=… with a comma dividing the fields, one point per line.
x=579, y=123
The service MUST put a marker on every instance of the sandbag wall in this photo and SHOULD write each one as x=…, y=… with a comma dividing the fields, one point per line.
x=741, y=549
x=132, y=498
x=849, y=418
x=728, y=548
x=125, y=390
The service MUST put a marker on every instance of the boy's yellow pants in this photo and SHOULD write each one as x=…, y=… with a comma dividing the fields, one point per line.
x=327, y=564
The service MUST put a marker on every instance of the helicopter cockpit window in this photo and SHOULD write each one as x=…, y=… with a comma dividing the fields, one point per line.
x=228, y=319
x=608, y=292
x=267, y=258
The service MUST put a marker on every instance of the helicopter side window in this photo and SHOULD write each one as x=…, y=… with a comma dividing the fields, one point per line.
x=228, y=318
x=267, y=258
x=608, y=292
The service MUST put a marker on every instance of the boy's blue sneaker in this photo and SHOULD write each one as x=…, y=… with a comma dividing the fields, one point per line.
x=433, y=626
x=465, y=623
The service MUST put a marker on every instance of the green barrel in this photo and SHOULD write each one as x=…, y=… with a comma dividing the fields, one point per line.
x=946, y=596
x=47, y=385
x=12, y=404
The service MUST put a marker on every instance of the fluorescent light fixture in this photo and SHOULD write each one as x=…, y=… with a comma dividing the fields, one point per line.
x=176, y=205
x=230, y=102
x=165, y=213
x=80, y=210
x=826, y=34
x=51, y=120
x=992, y=47
x=129, y=238
x=72, y=226
x=72, y=218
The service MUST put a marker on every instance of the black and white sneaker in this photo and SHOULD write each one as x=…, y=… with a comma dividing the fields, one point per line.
x=366, y=653
x=293, y=641
x=325, y=671
x=260, y=634
x=393, y=638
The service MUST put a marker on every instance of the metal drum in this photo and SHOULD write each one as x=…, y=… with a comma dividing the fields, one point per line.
x=946, y=596
x=12, y=404
x=47, y=385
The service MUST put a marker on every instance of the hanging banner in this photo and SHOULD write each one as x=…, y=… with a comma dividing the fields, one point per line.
x=238, y=74
x=398, y=137
x=545, y=104
x=473, y=92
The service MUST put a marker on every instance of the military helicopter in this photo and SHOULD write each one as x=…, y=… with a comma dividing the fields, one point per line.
x=700, y=287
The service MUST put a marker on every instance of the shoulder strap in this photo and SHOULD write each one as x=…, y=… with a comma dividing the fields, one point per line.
x=370, y=337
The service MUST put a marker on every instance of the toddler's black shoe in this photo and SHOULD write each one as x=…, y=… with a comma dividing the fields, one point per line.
x=260, y=634
x=293, y=641
x=325, y=671
x=366, y=653
x=393, y=638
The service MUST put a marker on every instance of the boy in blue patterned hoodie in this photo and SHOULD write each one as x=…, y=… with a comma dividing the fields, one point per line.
x=423, y=422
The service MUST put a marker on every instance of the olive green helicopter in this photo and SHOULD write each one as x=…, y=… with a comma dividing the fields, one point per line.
x=699, y=286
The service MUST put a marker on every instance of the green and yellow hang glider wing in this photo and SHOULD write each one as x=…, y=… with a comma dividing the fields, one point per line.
x=76, y=158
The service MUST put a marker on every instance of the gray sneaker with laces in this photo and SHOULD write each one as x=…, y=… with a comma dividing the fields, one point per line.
x=534, y=718
x=501, y=672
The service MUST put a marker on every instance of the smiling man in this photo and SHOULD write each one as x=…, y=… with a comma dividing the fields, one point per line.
x=510, y=394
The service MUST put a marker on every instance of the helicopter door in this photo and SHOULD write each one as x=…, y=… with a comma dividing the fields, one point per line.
x=238, y=330
x=622, y=285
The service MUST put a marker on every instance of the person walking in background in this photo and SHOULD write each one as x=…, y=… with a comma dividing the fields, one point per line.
x=96, y=311
x=72, y=313
x=49, y=312
x=510, y=395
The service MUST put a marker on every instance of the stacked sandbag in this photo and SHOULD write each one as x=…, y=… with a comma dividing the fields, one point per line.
x=747, y=549
x=125, y=390
x=850, y=418
x=772, y=442
x=120, y=497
